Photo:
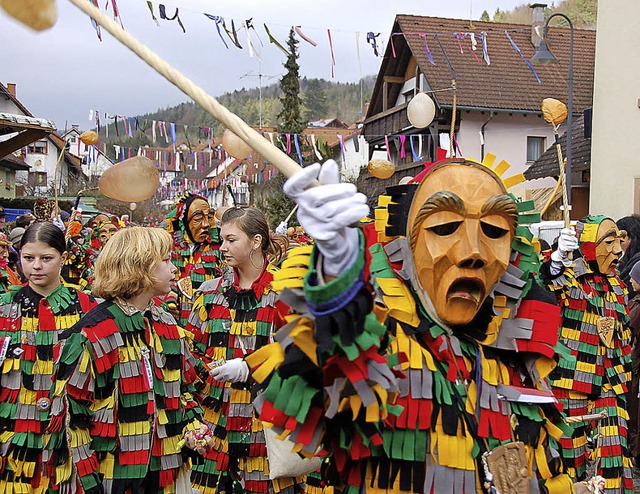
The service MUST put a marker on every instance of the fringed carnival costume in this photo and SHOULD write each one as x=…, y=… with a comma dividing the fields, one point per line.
x=595, y=328
x=30, y=328
x=124, y=382
x=402, y=401
x=195, y=255
x=229, y=322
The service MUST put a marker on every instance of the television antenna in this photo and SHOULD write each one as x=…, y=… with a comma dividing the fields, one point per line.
x=260, y=75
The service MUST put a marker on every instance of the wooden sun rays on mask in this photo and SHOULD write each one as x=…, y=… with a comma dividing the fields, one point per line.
x=500, y=169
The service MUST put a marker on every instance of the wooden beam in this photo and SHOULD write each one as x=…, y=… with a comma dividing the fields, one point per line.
x=392, y=79
x=19, y=141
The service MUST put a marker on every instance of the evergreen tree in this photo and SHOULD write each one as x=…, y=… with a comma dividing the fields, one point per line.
x=291, y=114
x=485, y=16
x=315, y=101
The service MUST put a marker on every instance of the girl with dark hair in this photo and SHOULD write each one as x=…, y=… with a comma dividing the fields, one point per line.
x=233, y=316
x=32, y=318
x=631, y=247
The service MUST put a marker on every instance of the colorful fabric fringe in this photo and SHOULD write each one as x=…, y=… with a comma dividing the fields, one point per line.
x=594, y=376
x=125, y=382
x=230, y=322
x=30, y=329
x=403, y=404
x=196, y=262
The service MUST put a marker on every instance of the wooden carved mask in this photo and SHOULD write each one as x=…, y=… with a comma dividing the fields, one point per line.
x=200, y=218
x=105, y=232
x=461, y=225
x=608, y=246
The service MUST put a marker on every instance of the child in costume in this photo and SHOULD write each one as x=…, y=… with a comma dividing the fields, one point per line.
x=233, y=316
x=421, y=358
x=123, y=387
x=8, y=277
x=195, y=251
x=595, y=328
x=32, y=318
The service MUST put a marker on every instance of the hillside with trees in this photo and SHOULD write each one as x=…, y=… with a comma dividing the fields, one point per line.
x=320, y=99
x=583, y=13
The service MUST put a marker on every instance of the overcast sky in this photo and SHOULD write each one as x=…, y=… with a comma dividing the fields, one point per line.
x=63, y=73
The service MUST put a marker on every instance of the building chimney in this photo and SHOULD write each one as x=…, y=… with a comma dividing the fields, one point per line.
x=537, y=23
x=11, y=87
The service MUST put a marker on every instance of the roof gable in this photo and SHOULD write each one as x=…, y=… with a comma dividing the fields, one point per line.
x=505, y=84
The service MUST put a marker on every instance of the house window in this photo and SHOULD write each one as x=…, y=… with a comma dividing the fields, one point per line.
x=38, y=147
x=37, y=179
x=535, y=147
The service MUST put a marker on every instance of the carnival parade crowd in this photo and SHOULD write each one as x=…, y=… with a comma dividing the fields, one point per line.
x=436, y=348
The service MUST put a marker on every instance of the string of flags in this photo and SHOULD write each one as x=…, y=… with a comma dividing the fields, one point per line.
x=231, y=31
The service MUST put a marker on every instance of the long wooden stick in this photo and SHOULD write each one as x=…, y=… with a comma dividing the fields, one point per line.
x=275, y=156
x=565, y=198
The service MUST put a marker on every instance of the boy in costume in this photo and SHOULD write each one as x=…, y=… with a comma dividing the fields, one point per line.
x=595, y=328
x=420, y=359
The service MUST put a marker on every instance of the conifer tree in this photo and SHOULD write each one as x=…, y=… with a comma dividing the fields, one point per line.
x=315, y=101
x=291, y=114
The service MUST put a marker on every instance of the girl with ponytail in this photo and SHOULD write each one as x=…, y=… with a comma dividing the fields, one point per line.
x=233, y=316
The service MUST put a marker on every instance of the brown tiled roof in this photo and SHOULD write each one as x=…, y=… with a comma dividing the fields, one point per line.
x=547, y=164
x=12, y=162
x=72, y=160
x=506, y=84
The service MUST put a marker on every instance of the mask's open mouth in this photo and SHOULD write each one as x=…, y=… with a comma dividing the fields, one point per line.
x=467, y=288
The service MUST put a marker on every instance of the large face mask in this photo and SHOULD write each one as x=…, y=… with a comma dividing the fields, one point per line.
x=200, y=218
x=608, y=246
x=105, y=232
x=461, y=225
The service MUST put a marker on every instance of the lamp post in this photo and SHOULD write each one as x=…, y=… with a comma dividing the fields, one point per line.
x=544, y=56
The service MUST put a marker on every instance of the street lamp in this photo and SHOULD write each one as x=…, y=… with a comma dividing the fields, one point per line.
x=544, y=56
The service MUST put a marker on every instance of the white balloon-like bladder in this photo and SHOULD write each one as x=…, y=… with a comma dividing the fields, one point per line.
x=421, y=111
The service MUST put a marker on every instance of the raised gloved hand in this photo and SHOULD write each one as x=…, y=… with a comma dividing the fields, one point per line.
x=567, y=242
x=235, y=371
x=282, y=228
x=59, y=223
x=327, y=212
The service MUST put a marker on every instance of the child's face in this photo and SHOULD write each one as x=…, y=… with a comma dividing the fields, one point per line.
x=635, y=285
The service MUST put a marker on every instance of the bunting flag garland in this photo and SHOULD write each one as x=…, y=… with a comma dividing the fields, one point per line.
x=172, y=127
x=427, y=50
x=233, y=34
x=333, y=58
x=176, y=16
x=275, y=41
x=515, y=46
x=485, y=51
x=295, y=140
x=248, y=25
x=95, y=25
x=304, y=37
x=218, y=20
x=153, y=16
x=371, y=39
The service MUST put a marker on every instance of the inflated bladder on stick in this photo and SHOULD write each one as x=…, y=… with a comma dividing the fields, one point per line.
x=133, y=180
x=37, y=14
x=554, y=111
x=235, y=146
x=89, y=137
x=421, y=110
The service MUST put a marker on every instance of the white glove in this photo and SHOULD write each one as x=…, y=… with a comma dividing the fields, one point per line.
x=59, y=223
x=282, y=228
x=567, y=242
x=327, y=212
x=235, y=370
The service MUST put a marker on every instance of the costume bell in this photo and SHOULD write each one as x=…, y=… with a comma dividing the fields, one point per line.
x=420, y=363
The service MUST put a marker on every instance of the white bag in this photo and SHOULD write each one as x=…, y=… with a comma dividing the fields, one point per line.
x=282, y=461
